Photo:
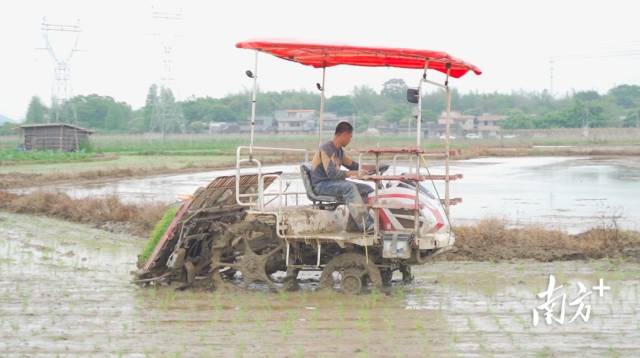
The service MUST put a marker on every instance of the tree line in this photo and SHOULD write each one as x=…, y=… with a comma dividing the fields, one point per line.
x=618, y=107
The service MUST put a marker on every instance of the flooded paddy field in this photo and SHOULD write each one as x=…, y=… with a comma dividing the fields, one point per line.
x=65, y=291
x=567, y=193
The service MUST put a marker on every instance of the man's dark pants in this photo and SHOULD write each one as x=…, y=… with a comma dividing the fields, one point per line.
x=352, y=193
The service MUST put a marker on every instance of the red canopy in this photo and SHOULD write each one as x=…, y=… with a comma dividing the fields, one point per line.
x=327, y=55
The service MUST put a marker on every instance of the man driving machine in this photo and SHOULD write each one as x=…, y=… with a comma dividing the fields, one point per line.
x=328, y=179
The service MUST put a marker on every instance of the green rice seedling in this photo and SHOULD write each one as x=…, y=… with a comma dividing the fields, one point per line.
x=260, y=322
x=341, y=311
x=613, y=353
x=166, y=300
x=286, y=327
x=498, y=322
x=284, y=295
x=241, y=349
x=300, y=353
x=241, y=314
x=157, y=233
x=483, y=349
x=525, y=325
x=470, y=324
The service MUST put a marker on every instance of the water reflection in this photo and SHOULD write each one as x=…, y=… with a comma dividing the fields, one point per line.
x=572, y=193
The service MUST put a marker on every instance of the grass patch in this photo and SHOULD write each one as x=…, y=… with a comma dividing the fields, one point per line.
x=159, y=230
x=10, y=156
x=152, y=144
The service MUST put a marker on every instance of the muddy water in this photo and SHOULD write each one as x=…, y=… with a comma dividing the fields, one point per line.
x=64, y=290
x=568, y=193
x=565, y=193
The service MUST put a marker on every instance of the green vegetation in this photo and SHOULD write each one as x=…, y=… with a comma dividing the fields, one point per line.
x=9, y=129
x=168, y=132
x=159, y=230
x=11, y=156
x=92, y=111
x=37, y=111
x=174, y=144
x=619, y=107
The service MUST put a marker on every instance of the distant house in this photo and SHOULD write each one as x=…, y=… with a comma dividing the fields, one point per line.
x=378, y=123
x=330, y=121
x=437, y=129
x=223, y=128
x=485, y=125
x=54, y=136
x=264, y=124
x=295, y=120
x=306, y=120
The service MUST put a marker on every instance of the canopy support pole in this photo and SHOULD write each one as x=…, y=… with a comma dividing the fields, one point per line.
x=416, y=212
x=321, y=117
x=446, y=145
x=419, y=116
x=253, y=103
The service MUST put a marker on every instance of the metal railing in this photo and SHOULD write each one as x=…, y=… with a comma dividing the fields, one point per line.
x=258, y=204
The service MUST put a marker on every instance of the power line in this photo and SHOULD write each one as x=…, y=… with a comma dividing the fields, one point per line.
x=165, y=26
x=61, y=88
x=585, y=56
x=626, y=53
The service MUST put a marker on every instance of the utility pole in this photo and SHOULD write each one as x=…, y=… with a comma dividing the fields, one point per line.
x=353, y=119
x=585, y=122
x=551, y=63
x=61, y=90
x=165, y=23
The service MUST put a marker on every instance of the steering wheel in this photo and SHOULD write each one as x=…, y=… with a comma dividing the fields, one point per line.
x=383, y=168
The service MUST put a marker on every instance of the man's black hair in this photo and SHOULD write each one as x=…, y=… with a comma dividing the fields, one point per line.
x=344, y=127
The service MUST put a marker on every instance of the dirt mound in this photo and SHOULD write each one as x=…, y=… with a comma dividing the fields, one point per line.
x=491, y=240
x=105, y=213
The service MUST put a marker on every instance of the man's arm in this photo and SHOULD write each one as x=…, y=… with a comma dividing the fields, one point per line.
x=355, y=168
x=349, y=163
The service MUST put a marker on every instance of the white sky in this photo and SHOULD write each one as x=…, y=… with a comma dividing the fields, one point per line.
x=596, y=43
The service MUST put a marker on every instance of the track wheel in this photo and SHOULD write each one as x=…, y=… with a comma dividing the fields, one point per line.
x=253, y=265
x=350, y=273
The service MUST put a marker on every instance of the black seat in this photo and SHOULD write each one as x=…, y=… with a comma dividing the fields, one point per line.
x=321, y=201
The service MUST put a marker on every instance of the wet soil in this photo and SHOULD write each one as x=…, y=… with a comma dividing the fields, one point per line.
x=65, y=290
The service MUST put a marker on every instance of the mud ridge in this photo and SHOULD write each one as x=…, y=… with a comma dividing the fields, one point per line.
x=108, y=213
x=492, y=240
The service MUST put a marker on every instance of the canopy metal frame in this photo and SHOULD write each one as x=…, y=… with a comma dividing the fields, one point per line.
x=255, y=201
